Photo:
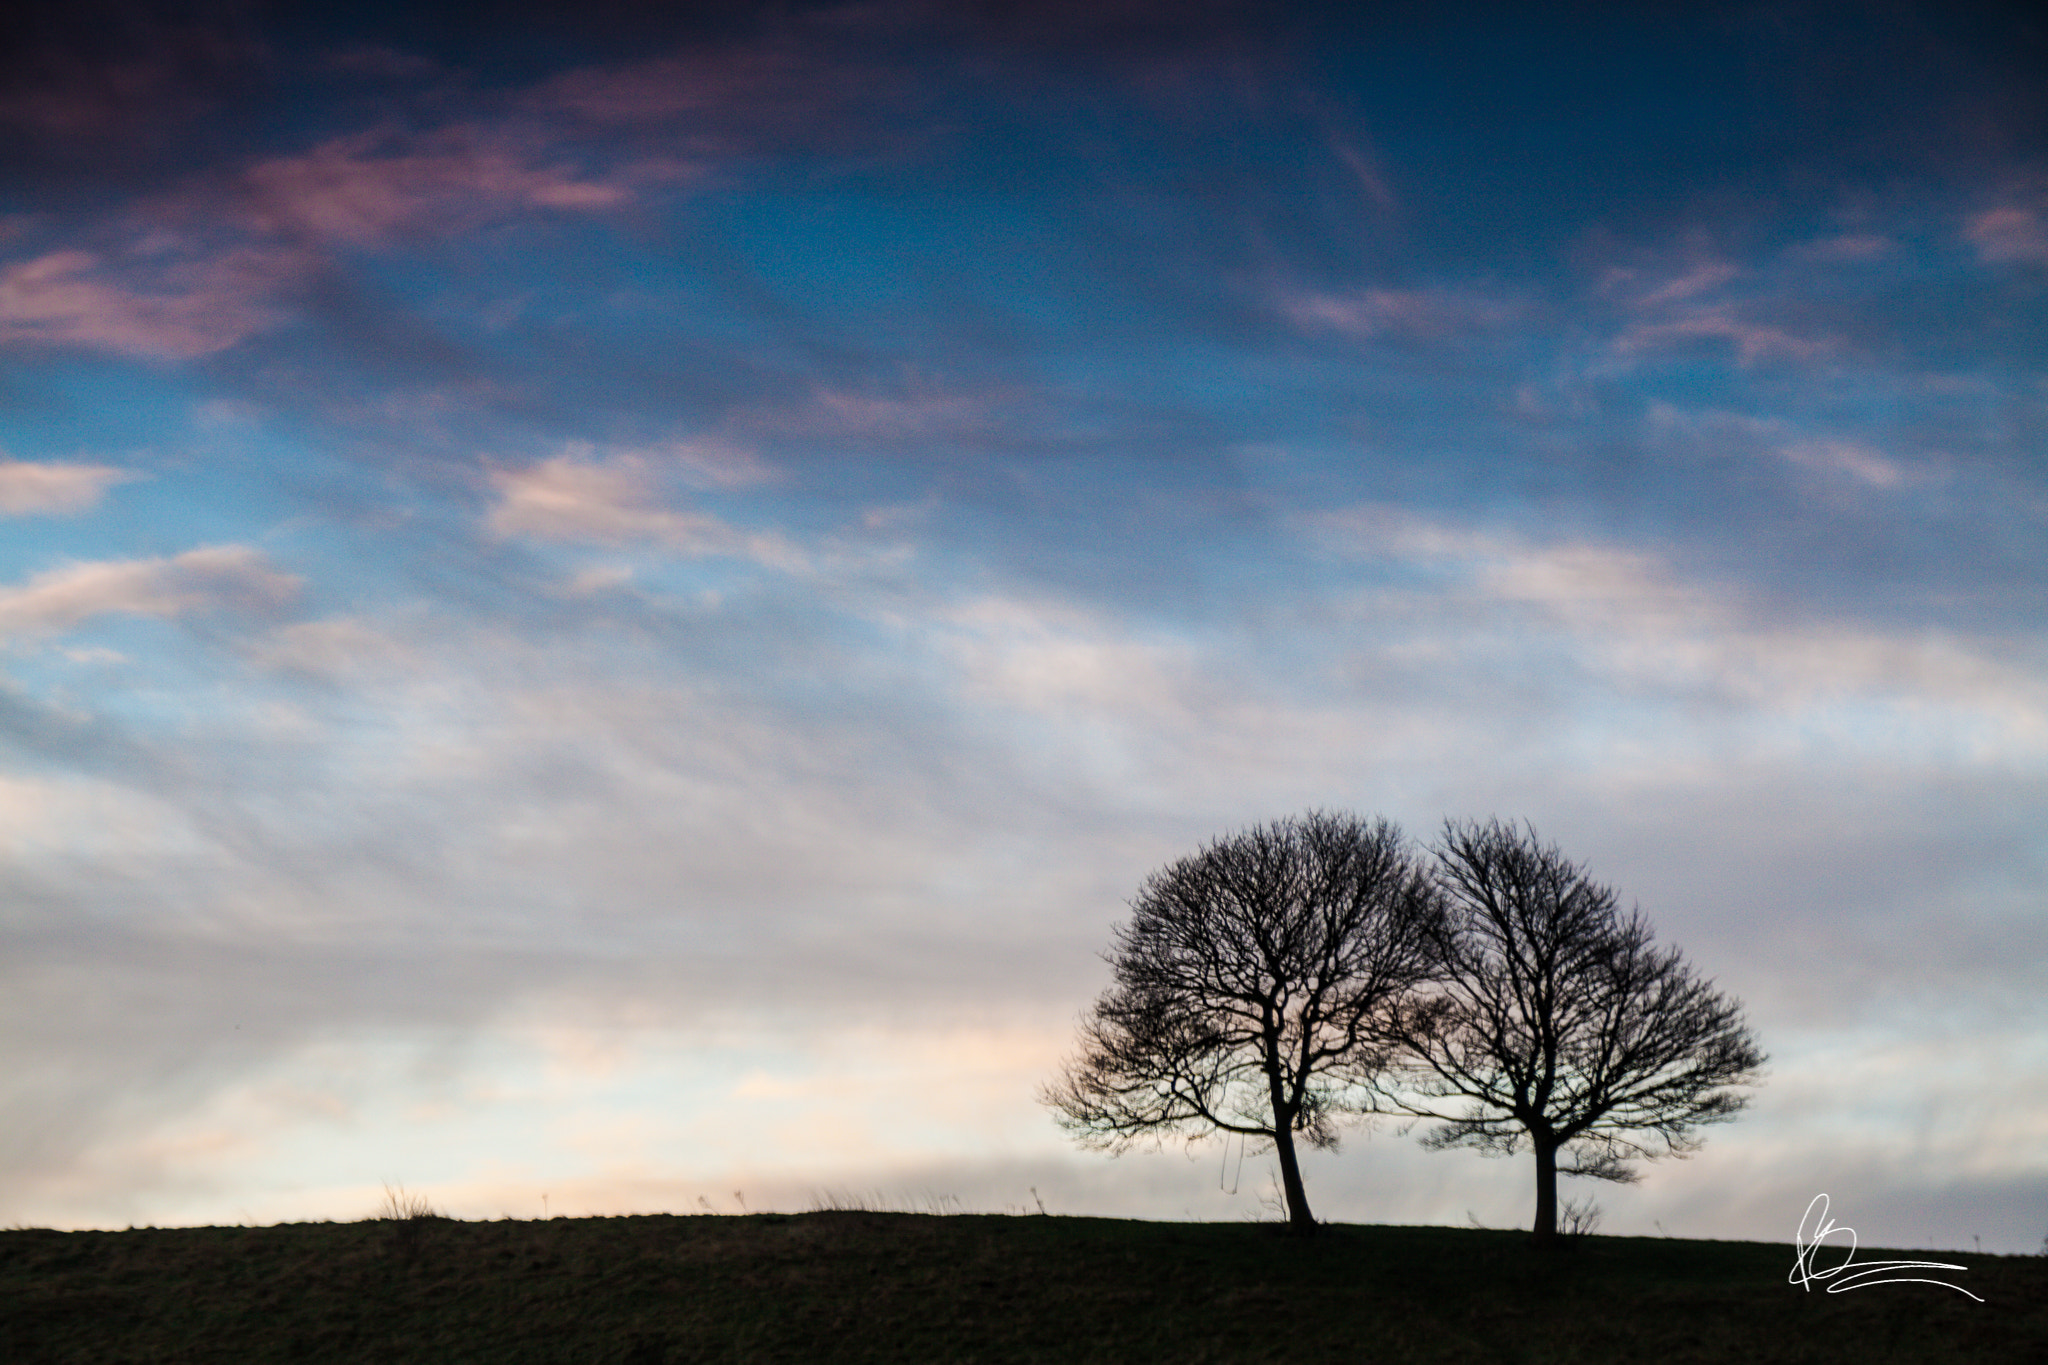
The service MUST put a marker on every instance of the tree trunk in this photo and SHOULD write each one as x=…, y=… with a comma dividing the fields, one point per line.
x=1299, y=1219
x=1545, y=1229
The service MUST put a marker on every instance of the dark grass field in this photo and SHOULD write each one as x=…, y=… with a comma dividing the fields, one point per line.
x=859, y=1286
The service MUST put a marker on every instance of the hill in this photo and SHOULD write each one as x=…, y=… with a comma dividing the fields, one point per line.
x=862, y=1286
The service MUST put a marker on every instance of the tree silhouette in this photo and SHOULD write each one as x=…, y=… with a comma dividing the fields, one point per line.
x=1251, y=984
x=1560, y=1022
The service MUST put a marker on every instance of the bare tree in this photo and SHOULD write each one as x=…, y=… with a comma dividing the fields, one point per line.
x=1560, y=1023
x=1251, y=981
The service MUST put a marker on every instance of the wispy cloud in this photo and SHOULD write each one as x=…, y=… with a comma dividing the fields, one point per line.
x=54, y=488
x=368, y=187
x=173, y=311
x=1703, y=297
x=739, y=99
x=203, y=267
x=1753, y=341
x=232, y=577
x=332, y=649
x=1412, y=313
x=1367, y=169
x=2009, y=234
x=1833, y=457
x=921, y=413
x=1051, y=657
x=665, y=87
x=1639, y=624
x=703, y=461
x=1852, y=458
x=1846, y=248
x=1702, y=278
x=618, y=501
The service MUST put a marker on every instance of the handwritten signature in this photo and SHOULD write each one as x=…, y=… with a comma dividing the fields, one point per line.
x=1805, y=1272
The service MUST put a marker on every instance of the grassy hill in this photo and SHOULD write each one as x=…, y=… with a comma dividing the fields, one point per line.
x=861, y=1286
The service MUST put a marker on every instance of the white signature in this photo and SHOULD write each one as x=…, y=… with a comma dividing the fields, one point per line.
x=1805, y=1272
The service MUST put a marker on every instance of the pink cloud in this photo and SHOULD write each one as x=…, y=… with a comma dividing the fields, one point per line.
x=713, y=463
x=1653, y=287
x=1752, y=341
x=1396, y=312
x=659, y=89
x=215, y=576
x=1852, y=458
x=835, y=413
x=761, y=81
x=742, y=101
x=1365, y=169
x=199, y=269
x=185, y=309
x=166, y=298
x=575, y=499
x=700, y=461
x=365, y=188
x=1700, y=279
x=1857, y=246
x=55, y=489
x=2009, y=234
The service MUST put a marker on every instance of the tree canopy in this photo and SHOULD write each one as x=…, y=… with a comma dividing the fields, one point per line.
x=1558, y=1023
x=1253, y=984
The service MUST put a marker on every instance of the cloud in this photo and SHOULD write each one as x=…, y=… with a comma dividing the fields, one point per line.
x=1715, y=434
x=1701, y=279
x=333, y=649
x=869, y=417
x=616, y=501
x=705, y=461
x=1852, y=458
x=1753, y=341
x=368, y=187
x=1846, y=248
x=1366, y=169
x=54, y=489
x=1677, y=304
x=203, y=268
x=231, y=577
x=736, y=100
x=178, y=311
x=1051, y=658
x=1416, y=313
x=667, y=87
x=2011, y=234
x=1632, y=620
x=627, y=852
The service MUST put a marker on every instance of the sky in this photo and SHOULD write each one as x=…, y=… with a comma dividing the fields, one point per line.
x=601, y=611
